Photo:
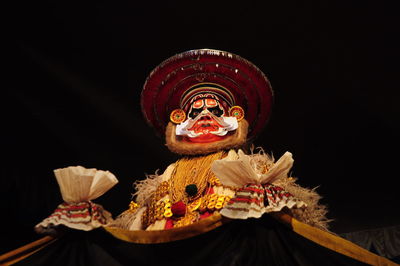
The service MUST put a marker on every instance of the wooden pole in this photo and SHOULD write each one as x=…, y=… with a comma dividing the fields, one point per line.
x=18, y=254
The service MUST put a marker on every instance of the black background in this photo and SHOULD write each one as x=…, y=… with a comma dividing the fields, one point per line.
x=74, y=72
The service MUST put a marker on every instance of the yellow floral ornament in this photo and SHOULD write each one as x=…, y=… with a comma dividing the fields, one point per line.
x=236, y=111
x=177, y=116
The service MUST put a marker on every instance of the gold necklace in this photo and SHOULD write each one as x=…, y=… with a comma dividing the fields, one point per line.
x=191, y=171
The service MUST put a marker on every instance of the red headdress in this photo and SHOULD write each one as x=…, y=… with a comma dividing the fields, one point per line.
x=232, y=78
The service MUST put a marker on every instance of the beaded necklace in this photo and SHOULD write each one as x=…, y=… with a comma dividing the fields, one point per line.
x=191, y=171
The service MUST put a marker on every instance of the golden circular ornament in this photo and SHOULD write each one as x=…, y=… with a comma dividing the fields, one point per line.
x=218, y=205
x=236, y=111
x=133, y=206
x=177, y=116
x=195, y=205
x=168, y=213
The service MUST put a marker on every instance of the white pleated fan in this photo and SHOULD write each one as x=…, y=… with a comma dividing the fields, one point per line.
x=79, y=186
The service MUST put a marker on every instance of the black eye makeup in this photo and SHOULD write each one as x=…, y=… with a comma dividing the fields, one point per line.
x=216, y=111
x=195, y=112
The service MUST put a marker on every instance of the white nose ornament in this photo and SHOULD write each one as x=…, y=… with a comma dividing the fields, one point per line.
x=205, y=112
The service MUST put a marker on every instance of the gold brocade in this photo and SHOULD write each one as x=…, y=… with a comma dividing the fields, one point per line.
x=154, y=209
x=189, y=218
x=188, y=171
x=192, y=170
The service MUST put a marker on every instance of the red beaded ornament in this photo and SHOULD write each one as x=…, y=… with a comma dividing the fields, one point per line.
x=178, y=209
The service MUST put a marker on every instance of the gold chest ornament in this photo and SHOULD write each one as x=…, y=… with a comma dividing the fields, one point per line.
x=186, y=195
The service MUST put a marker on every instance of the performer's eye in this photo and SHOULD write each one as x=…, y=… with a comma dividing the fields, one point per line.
x=194, y=113
x=216, y=111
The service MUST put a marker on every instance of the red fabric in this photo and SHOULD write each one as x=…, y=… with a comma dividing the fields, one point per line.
x=210, y=191
x=205, y=215
x=247, y=200
x=169, y=224
x=253, y=189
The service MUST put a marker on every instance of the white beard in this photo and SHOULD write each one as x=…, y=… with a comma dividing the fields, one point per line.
x=227, y=124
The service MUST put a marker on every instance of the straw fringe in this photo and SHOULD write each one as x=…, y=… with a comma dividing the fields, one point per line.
x=127, y=218
x=124, y=220
x=144, y=188
x=315, y=213
x=260, y=159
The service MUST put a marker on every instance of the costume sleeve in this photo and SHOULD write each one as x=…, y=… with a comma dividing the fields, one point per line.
x=253, y=178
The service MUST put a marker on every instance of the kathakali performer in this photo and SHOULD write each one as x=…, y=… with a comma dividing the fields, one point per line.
x=209, y=106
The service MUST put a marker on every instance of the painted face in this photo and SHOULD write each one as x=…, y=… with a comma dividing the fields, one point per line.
x=207, y=122
x=212, y=105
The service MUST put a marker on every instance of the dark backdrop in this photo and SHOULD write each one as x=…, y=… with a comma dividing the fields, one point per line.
x=74, y=72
